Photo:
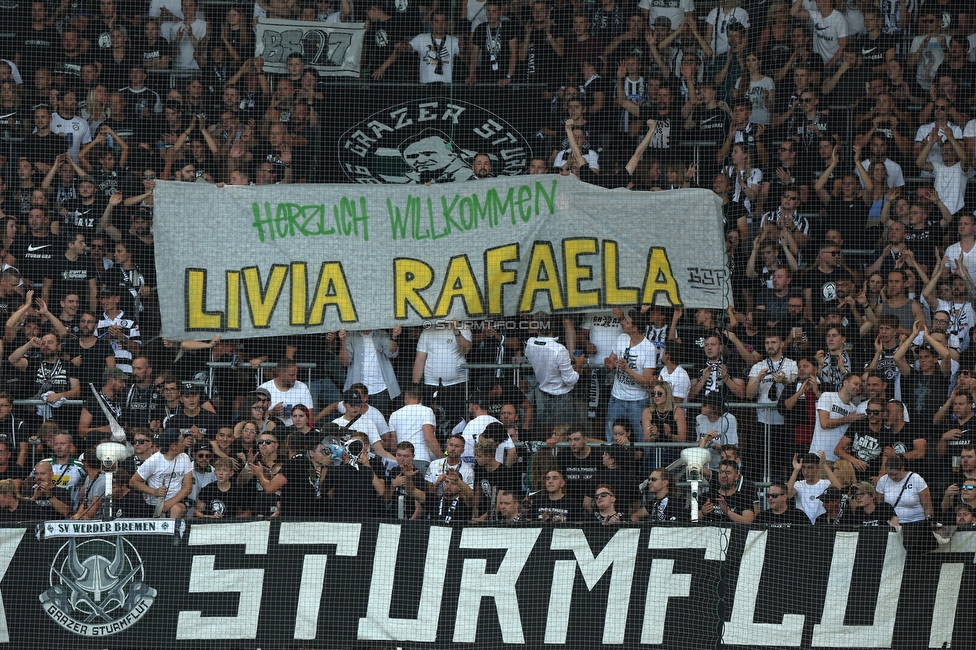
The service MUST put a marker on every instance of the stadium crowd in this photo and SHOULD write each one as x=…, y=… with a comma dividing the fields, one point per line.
x=822, y=130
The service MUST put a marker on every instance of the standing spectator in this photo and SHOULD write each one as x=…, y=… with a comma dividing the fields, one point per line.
x=767, y=381
x=632, y=363
x=189, y=37
x=829, y=27
x=807, y=492
x=367, y=355
x=835, y=413
x=440, y=354
x=736, y=500
x=450, y=462
x=121, y=330
x=415, y=423
x=67, y=123
x=286, y=391
x=437, y=50
x=556, y=373
x=949, y=174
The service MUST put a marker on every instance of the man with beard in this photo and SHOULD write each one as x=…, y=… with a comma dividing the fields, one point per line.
x=142, y=398
x=87, y=353
x=52, y=379
x=85, y=211
x=114, y=383
x=481, y=166
x=835, y=413
x=736, y=499
x=66, y=123
x=663, y=504
x=286, y=391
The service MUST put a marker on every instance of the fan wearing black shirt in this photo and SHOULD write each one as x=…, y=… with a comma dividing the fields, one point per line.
x=85, y=211
x=222, y=498
x=490, y=476
x=867, y=510
x=37, y=248
x=451, y=507
x=114, y=383
x=304, y=480
x=202, y=424
x=781, y=513
x=402, y=481
x=735, y=499
x=72, y=272
x=663, y=504
x=553, y=505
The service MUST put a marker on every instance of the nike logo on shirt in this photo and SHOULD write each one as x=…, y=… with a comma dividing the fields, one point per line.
x=31, y=249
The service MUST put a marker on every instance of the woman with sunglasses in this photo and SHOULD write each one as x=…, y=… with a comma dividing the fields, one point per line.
x=867, y=510
x=662, y=421
x=268, y=463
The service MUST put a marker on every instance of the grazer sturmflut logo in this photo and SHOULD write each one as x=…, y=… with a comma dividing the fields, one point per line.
x=97, y=587
x=431, y=140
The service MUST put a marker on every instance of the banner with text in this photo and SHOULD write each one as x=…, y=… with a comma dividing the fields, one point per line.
x=287, y=259
x=317, y=584
x=333, y=49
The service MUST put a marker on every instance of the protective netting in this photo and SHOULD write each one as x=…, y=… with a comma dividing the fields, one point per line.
x=654, y=318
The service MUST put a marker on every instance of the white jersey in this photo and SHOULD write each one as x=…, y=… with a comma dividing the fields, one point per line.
x=75, y=130
x=604, y=330
x=679, y=380
x=806, y=498
x=434, y=53
x=770, y=390
x=827, y=439
x=439, y=466
x=444, y=358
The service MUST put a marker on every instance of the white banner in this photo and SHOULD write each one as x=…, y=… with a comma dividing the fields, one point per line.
x=291, y=259
x=92, y=528
x=333, y=49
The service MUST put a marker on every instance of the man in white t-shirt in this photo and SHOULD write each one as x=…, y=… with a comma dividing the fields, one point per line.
x=354, y=419
x=64, y=122
x=451, y=461
x=633, y=361
x=767, y=380
x=676, y=12
x=440, y=354
x=477, y=423
x=166, y=474
x=949, y=177
x=286, y=391
x=829, y=29
x=836, y=412
x=415, y=423
x=964, y=247
x=189, y=36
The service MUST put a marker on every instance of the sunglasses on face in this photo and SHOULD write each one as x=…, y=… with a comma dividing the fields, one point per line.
x=140, y=441
x=267, y=442
x=601, y=495
x=874, y=411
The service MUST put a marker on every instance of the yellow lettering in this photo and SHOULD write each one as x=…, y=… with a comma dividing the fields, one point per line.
x=576, y=274
x=261, y=301
x=233, y=300
x=497, y=275
x=197, y=318
x=299, y=292
x=410, y=277
x=332, y=289
x=542, y=276
x=660, y=278
x=459, y=283
x=615, y=295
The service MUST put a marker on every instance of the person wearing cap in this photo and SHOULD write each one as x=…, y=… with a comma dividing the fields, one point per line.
x=203, y=474
x=112, y=393
x=257, y=403
x=478, y=421
x=831, y=499
x=354, y=420
x=867, y=510
x=286, y=391
x=192, y=418
x=166, y=475
x=122, y=331
x=780, y=513
x=144, y=102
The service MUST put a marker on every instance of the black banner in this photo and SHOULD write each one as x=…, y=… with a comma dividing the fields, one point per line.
x=381, y=584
